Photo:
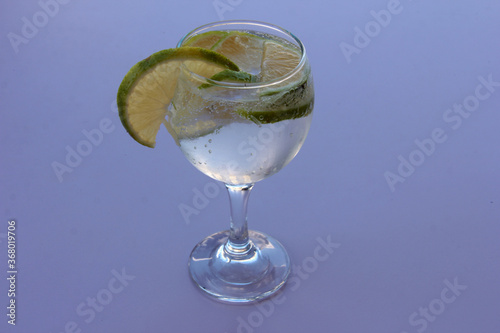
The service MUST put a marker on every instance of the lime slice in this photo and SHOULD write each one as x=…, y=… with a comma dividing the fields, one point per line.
x=278, y=60
x=206, y=40
x=147, y=89
x=269, y=117
x=286, y=104
x=244, y=49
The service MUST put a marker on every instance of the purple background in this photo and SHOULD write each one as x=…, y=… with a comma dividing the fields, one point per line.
x=397, y=250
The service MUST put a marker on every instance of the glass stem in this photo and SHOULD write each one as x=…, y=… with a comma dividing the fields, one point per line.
x=238, y=243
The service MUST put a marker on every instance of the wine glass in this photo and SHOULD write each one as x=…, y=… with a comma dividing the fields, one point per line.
x=245, y=132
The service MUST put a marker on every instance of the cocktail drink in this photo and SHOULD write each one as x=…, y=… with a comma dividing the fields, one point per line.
x=237, y=97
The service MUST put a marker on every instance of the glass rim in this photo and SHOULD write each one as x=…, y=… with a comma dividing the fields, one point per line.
x=246, y=85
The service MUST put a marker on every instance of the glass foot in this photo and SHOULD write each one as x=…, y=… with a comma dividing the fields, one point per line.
x=239, y=275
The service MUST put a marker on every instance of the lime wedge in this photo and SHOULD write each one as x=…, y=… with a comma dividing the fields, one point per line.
x=278, y=60
x=206, y=40
x=244, y=48
x=269, y=117
x=281, y=105
x=147, y=89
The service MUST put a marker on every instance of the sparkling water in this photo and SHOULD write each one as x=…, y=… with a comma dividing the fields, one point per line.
x=244, y=152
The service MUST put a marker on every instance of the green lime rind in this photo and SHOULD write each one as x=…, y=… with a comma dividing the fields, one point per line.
x=228, y=75
x=273, y=116
x=143, y=66
x=294, y=86
x=291, y=104
x=291, y=96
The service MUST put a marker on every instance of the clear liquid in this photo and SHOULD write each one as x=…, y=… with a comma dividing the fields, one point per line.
x=241, y=136
x=245, y=152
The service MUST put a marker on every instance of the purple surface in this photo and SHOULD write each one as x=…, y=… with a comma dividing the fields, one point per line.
x=104, y=248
